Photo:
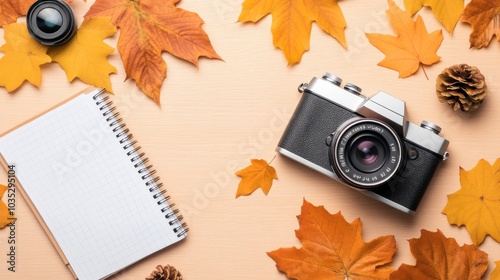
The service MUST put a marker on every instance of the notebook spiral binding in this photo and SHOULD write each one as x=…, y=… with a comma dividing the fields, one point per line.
x=139, y=161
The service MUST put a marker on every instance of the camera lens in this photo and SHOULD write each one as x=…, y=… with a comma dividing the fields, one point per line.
x=51, y=22
x=368, y=153
x=365, y=153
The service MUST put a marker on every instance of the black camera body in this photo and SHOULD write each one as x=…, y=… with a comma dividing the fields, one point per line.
x=365, y=143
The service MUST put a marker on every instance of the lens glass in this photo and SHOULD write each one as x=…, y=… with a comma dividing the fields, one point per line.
x=367, y=153
x=49, y=20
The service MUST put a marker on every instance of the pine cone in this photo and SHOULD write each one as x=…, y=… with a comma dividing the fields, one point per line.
x=165, y=273
x=462, y=87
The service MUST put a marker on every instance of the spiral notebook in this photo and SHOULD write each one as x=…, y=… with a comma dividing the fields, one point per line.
x=92, y=190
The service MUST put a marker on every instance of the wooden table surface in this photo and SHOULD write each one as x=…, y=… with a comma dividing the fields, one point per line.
x=212, y=120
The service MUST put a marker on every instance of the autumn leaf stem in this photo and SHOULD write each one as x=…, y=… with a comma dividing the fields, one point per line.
x=271, y=160
x=425, y=73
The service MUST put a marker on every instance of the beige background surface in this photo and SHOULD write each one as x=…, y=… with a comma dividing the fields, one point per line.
x=214, y=119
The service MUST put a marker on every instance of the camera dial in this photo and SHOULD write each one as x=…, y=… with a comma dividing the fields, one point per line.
x=352, y=88
x=332, y=79
x=51, y=22
x=365, y=153
x=431, y=126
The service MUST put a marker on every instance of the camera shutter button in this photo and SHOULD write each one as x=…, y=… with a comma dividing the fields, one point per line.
x=352, y=88
x=431, y=126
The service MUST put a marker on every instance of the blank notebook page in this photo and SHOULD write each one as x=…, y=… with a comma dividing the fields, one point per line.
x=89, y=194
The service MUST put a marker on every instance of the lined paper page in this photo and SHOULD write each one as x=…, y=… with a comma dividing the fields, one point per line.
x=86, y=189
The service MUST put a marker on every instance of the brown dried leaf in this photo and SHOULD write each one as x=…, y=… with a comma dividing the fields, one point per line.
x=484, y=16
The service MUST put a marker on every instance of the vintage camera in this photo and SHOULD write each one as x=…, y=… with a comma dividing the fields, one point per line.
x=365, y=143
x=51, y=22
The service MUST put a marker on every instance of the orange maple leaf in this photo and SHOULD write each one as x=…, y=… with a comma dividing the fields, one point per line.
x=10, y=10
x=149, y=27
x=477, y=204
x=412, y=47
x=439, y=257
x=5, y=215
x=259, y=174
x=332, y=248
x=292, y=22
x=484, y=16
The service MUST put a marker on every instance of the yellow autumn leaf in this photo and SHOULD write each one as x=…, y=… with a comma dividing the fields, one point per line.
x=495, y=275
x=292, y=22
x=412, y=47
x=446, y=11
x=413, y=6
x=477, y=204
x=85, y=56
x=5, y=216
x=259, y=174
x=23, y=58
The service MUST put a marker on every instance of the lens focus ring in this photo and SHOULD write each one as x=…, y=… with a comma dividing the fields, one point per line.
x=51, y=22
x=365, y=153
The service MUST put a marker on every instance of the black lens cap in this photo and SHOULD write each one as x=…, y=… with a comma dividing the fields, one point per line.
x=51, y=22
